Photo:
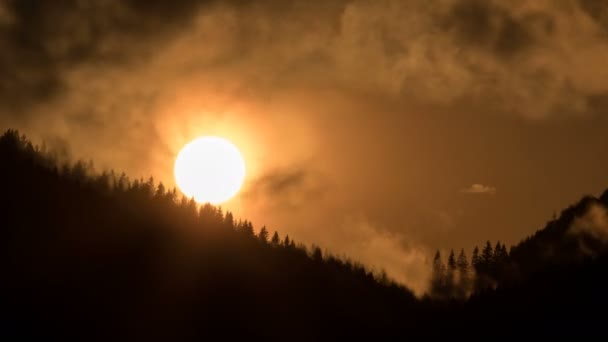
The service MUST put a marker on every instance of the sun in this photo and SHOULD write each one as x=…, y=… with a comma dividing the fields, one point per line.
x=210, y=169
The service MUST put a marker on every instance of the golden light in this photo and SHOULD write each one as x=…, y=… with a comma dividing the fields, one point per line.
x=210, y=169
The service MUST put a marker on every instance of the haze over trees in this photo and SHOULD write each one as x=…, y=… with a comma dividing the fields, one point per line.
x=92, y=255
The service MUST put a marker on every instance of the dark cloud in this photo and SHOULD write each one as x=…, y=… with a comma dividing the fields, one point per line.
x=486, y=25
x=279, y=182
x=44, y=40
x=598, y=10
x=482, y=48
x=286, y=189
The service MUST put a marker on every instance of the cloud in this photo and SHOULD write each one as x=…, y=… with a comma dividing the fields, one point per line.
x=489, y=26
x=598, y=10
x=590, y=229
x=594, y=223
x=286, y=189
x=280, y=181
x=532, y=60
x=479, y=189
x=403, y=260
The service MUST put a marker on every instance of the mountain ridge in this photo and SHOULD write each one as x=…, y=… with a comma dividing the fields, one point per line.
x=97, y=256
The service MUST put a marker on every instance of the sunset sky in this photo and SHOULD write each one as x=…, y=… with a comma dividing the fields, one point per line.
x=381, y=130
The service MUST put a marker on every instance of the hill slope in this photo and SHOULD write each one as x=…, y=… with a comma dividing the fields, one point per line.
x=99, y=257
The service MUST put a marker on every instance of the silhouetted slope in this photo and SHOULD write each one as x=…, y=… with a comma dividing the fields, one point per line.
x=552, y=283
x=557, y=242
x=557, y=300
x=101, y=257
x=578, y=235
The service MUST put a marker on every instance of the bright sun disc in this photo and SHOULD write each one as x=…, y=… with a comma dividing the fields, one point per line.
x=210, y=169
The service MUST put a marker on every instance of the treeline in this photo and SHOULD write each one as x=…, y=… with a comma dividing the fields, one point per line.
x=87, y=254
x=561, y=244
x=458, y=278
x=153, y=200
x=97, y=256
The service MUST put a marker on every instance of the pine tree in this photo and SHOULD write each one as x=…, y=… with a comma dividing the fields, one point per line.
x=183, y=203
x=229, y=220
x=464, y=275
x=160, y=190
x=173, y=194
x=218, y=216
x=149, y=186
x=248, y=228
x=497, y=250
x=275, y=239
x=286, y=241
x=452, y=261
x=462, y=263
x=501, y=257
x=500, y=253
x=475, y=259
x=486, y=269
x=123, y=182
x=487, y=254
x=206, y=213
x=263, y=235
x=438, y=277
x=192, y=206
x=317, y=255
x=450, y=281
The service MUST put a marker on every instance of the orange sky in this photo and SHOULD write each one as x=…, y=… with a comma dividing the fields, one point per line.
x=379, y=129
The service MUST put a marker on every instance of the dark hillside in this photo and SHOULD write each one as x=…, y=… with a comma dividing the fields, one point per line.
x=88, y=255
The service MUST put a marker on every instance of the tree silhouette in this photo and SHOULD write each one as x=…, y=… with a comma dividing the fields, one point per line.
x=263, y=234
x=451, y=281
x=160, y=190
x=464, y=275
x=452, y=261
x=247, y=228
x=228, y=221
x=317, y=255
x=438, y=278
x=476, y=259
x=487, y=254
x=500, y=253
x=275, y=239
x=462, y=263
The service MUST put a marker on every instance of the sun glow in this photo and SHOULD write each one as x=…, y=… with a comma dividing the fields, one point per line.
x=210, y=169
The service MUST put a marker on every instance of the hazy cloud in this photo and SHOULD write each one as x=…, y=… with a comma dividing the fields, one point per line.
x=598, y=10
x=286, y=189
x=490, y=26
x=594, y=223
x=402, y=259
x=480, y=189
x=278, y=182
x=527, y=59
x=43, y=42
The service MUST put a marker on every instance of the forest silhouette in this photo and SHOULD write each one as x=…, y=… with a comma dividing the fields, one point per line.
x=99, y=256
